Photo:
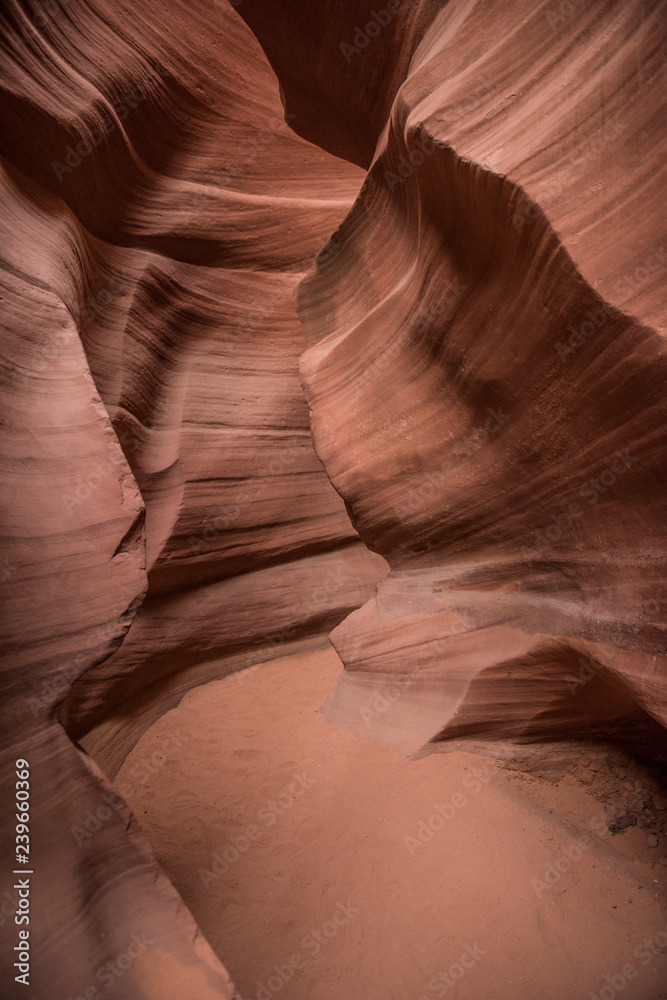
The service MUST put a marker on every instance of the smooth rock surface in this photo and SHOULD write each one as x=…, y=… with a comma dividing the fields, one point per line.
x=482, y=353
x=156, y=451
x=504, y=449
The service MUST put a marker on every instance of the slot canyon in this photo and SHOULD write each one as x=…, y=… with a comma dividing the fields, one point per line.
x=334, y=521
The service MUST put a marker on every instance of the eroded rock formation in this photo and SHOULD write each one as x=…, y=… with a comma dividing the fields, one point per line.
x=484, y=368
x=156, y=449
x=486, y=377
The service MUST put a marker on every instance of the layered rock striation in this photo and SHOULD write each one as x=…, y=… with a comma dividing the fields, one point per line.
x=486, y=377
x=482, y=354
x=159, y=475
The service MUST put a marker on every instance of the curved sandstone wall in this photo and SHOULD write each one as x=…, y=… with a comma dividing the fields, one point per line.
x=480, y=342
x=486, y=378
x=158, y=467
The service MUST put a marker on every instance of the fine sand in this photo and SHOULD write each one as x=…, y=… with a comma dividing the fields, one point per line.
x=321, y=866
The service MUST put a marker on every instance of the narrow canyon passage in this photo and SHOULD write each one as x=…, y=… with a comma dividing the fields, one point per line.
x=319, y=864
x=335, y=330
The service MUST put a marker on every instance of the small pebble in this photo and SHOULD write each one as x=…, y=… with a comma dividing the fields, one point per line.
x=652, y=840
x=660, y=802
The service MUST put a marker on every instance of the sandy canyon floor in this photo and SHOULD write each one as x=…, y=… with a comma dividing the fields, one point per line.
x=322, y=866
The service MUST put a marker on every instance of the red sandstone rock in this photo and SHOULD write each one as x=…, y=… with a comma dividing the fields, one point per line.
x=154, y=225
x=486, y=378
x=484, y=370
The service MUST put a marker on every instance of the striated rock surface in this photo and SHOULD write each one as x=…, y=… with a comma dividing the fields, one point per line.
x=484, y=368
x=156, y=452
x=486, y=376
